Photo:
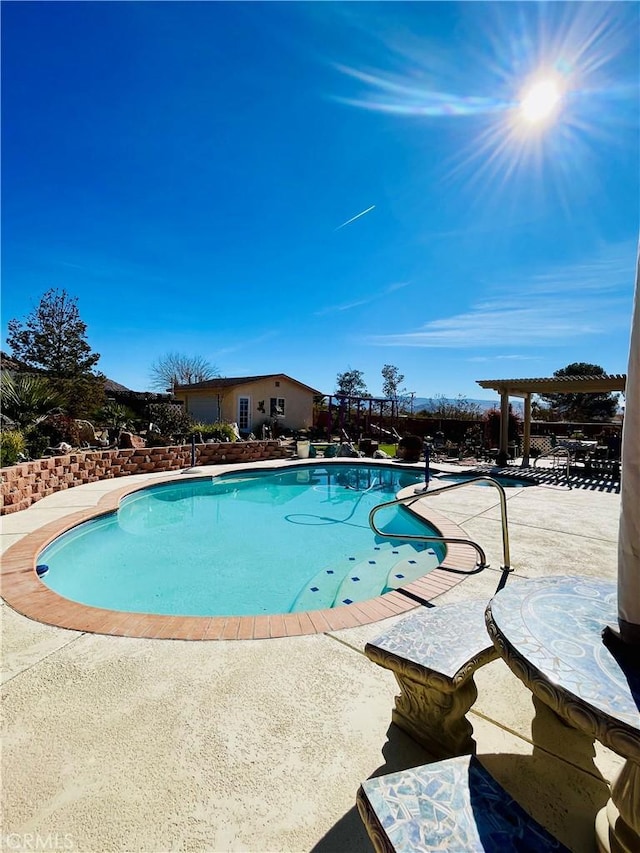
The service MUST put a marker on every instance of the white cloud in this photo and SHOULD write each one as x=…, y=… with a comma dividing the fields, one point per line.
x=483, y=358
x=346, y=306
x=611, y=270
x=541, y=309
x=496, y=324
x=245, y=344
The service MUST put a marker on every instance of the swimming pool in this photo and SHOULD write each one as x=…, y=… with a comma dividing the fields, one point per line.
x=248, y=543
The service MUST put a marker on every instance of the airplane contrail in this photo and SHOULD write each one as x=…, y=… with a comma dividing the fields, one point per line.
x=357, y=216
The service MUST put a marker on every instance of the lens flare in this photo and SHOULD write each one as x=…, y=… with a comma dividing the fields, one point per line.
x=546, y=87
x=540, y=101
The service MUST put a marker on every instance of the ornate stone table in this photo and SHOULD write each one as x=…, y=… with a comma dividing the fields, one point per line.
x=549, y=632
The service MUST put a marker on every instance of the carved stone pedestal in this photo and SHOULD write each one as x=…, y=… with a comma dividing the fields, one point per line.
x=436, y=718
x=618, y=823
x=433, y=654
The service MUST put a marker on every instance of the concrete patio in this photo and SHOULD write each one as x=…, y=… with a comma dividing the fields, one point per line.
x=119, y=744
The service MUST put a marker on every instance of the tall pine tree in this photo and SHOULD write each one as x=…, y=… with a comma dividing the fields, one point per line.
x=53, y=338
x=582, y=407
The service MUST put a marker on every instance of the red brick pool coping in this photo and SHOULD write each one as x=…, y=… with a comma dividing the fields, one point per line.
x=25, y=592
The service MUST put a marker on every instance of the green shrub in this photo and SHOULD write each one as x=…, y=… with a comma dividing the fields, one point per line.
x=170, y=419
x=213, y=432
x=12, y=444
x=59, y=428
x=156, y=439
x=492, y=420
x=37, y=442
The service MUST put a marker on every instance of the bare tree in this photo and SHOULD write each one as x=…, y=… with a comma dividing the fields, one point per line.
x=444, y=407
x=174, y=368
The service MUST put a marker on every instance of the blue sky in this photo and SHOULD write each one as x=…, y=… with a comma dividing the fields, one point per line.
x=187, y=169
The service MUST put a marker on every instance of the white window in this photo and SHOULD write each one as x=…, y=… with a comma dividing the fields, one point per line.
x=244, y=417
x=276, y=407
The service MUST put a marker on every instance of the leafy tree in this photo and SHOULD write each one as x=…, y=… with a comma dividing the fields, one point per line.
x=177, y=369
x=81, y=396
x=492, y=419
x=392, y=379
x=582, y=407
x=52, y=338
x=351, y=384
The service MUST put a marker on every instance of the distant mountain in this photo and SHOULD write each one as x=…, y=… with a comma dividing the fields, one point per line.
x=425, y=403
x=8, y=362
x=112, y=388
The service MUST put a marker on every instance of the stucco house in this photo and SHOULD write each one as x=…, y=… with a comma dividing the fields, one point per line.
x=249, y=401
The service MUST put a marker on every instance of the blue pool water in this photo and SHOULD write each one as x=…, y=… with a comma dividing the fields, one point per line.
x=247, y=543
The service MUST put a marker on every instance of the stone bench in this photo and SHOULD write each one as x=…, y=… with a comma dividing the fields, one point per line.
x=433, y=654
x=452, y=806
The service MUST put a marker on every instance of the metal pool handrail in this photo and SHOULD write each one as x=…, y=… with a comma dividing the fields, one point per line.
x=482, y=564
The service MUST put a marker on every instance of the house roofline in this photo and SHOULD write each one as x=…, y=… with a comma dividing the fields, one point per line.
x=230, y=382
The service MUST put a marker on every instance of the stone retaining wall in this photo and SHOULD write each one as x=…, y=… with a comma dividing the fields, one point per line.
x=28, y=482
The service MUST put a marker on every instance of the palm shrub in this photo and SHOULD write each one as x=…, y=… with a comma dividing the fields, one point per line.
x=27, y=399
x=115, y=416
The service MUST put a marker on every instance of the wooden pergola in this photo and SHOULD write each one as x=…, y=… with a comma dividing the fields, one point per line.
x=524, y=388
x=364, y=409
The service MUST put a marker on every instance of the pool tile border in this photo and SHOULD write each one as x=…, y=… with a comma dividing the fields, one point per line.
x=25, y=592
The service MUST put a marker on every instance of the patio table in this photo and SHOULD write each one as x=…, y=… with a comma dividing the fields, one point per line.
x=549, y=632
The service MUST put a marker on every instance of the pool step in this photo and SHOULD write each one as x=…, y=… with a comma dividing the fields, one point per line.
x=368, y=578
x=412, y=568
x=321, y=590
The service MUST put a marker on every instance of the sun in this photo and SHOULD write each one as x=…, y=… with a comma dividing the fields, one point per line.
x=540, y=101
